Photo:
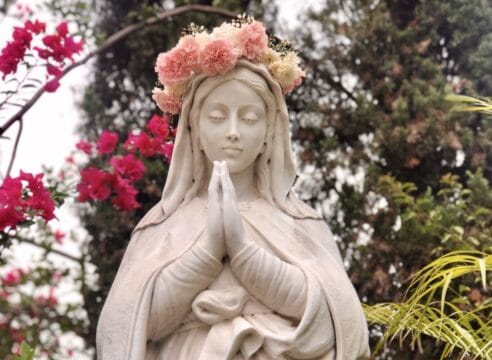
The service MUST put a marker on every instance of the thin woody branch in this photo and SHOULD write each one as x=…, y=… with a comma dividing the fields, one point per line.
x=113, y=39
x=50, y=249
x=16, y=146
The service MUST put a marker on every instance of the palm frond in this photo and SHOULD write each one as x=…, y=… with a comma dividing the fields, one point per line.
x=426, y=310
x=469, y=103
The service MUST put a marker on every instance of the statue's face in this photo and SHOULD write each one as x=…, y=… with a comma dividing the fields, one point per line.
x=233, y=125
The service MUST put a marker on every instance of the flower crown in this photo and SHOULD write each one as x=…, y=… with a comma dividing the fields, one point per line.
x=215, y=53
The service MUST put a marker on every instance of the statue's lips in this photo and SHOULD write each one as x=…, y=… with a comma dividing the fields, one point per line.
x=232, y=149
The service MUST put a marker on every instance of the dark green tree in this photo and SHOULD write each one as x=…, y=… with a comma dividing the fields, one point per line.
x=377, y=136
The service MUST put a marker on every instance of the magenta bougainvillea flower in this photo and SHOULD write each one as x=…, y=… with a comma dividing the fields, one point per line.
x=107, y=142
x=22, y=198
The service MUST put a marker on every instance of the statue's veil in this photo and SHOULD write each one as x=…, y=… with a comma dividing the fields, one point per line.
x=276, y=163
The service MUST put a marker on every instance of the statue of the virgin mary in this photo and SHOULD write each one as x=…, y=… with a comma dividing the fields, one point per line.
x=230, y=264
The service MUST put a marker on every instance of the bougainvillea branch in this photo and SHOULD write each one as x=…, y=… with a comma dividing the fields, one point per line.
x=16, y=145
x=113, y=39
x=48, y=248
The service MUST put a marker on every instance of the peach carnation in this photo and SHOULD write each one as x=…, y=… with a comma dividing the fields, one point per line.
x=253, y=41
x=270, y=56
x=178, y=64
x=226, y=31
x=284, y=72
x=218, y=57
x=297, y=81
x=167, y=103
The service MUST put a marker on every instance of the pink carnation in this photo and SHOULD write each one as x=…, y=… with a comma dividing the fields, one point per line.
x=218, y=57
x=178, y=64
x=253, y=41
x=167, y=103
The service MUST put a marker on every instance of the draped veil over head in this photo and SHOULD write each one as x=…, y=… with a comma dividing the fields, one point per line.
x=275, y=168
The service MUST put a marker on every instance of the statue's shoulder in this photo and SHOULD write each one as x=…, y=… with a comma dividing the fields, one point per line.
x=156, y=218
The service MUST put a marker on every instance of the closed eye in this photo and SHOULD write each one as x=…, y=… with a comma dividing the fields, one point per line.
x=251, y=120
x=251, y=117
x=216, y=115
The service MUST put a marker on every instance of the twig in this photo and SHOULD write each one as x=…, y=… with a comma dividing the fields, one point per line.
x=113, y=39
x=16, y=145
x=19, y=83
x=50, y=249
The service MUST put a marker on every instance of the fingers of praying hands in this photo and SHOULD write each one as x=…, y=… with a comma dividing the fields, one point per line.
x=215, y=223
x=225, y=228
x=233, y=226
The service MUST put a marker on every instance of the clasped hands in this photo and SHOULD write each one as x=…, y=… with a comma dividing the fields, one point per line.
x=224, y=225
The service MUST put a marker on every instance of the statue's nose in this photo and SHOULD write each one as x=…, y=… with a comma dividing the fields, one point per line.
x=233, y=133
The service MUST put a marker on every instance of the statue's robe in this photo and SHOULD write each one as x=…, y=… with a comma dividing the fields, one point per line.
x=332, y=324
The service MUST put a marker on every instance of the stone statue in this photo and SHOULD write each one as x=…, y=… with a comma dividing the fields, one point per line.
x=230, y=264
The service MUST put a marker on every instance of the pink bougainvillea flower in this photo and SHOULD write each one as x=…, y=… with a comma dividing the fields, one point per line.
x=35, y=27
x=56, y=277
x=12, y=277
x=95, y=184
x=62, y=29
x=179, y=63
x=72, y=47
x=141, y=142
x=15, y=50
x=125, y=199
x=40, y=200
x=164, y=148
x=84, y=147
x=22, y=36
x=47, y=301
x=59, y=46
x=59, y=236
x=52, y=85
x=55, y=47
x=253, y=41
x=11, y=204
x=159, y=126
x=128, y=166
x=218, y=57
x=167, y=103
x=18, y=201
x=107, y=142
x=54, y=70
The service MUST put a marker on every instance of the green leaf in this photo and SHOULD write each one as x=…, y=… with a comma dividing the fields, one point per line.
x=26, y=352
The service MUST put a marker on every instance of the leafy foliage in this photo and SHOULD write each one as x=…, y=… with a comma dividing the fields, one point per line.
x=399, y=176
x=458, y=322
